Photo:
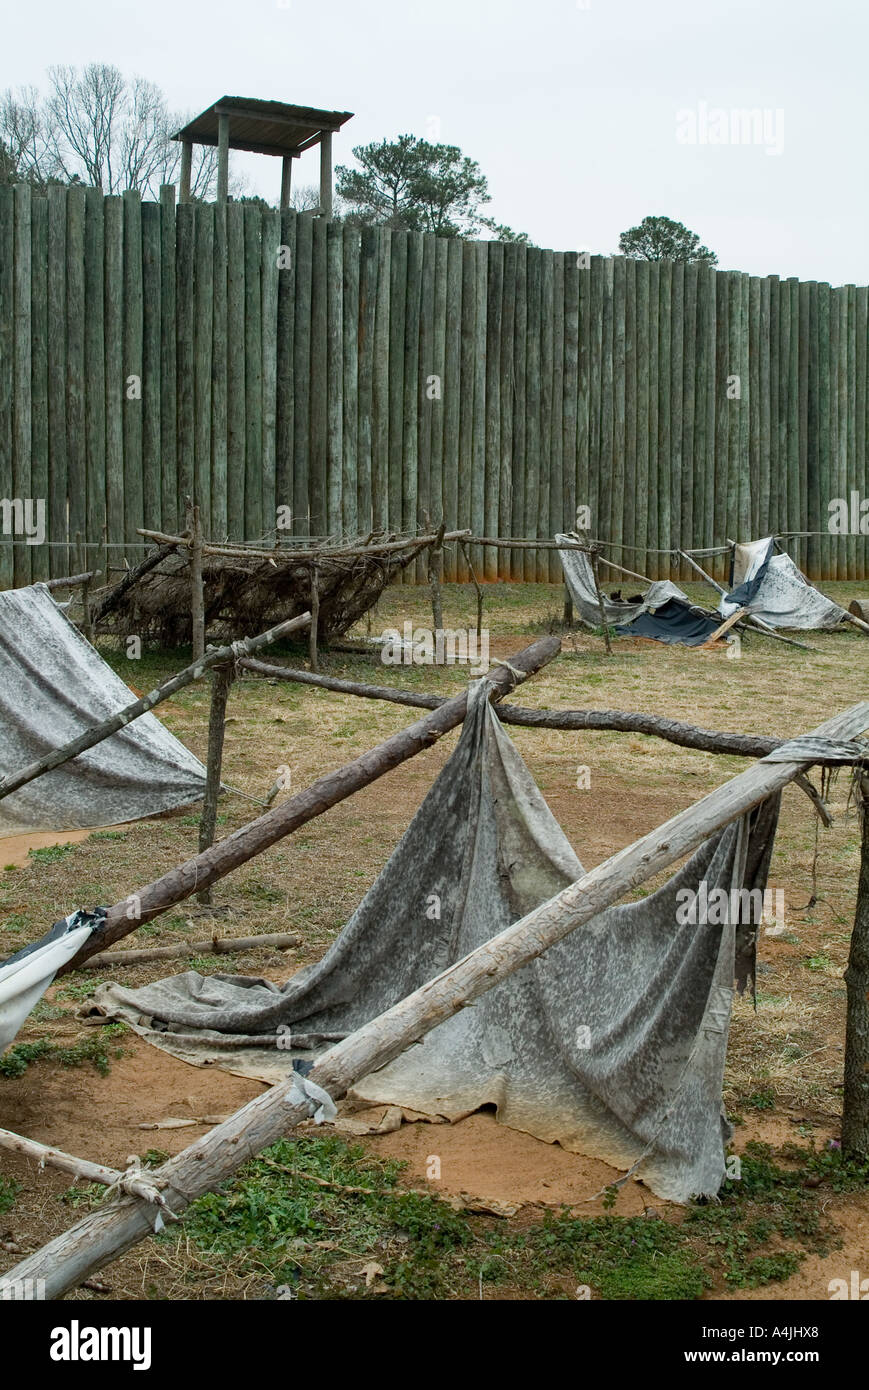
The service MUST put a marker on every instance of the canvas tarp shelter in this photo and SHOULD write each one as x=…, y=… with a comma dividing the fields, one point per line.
x=53, y=686
x=664, y=612
x=612, y=1043
x=25, y=977
x=772, y=588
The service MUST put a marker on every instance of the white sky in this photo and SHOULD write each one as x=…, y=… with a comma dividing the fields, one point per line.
x=569, y=106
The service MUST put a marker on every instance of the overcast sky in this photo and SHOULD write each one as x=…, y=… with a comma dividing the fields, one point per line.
x=585, y=115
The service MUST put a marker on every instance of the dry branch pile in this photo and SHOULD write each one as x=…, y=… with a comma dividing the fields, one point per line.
x=248, y=588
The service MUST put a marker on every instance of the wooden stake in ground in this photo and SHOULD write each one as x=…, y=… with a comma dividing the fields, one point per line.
x=315, y=617
x=257, y=835
x=103, y=1235
x=567, y=616
x=467, y=554
x=125, y=716
x=221, y=680
x=855, y=1103
x=86, y=624
x=435, y=564
x=600, y=603
x=197, y=591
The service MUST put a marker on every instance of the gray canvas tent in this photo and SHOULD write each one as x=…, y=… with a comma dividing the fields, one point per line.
x=772, y=588
x=664, y=612
x=612, y=1043
x=53, y=686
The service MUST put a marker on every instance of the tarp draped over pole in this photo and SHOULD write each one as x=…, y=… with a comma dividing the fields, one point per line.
x=663, y=612
x=103, y=1235
x=612, y=1044
x=773, y=589
x=25, y=977
x=54, y=684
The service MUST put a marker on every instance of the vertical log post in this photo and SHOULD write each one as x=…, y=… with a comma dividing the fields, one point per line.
x=435, y=565
x=221, y=679
x=315, y=617
x=197, y=596
x=326, y=174
x=568, y=610
x=593, y=553
x=81, y=565
x=286, y=180
x=222, y=158
x=86, y=624
x=855, y=1102
x=186, y=170
x=467, y=554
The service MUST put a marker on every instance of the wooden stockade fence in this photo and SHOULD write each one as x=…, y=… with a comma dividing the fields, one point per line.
x=375, y=380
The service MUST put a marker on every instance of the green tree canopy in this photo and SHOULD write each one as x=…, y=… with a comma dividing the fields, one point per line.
x=412, y=184
x=662, y=239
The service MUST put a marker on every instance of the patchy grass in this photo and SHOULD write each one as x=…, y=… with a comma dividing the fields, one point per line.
x=8, y=1192
x=785, y=1059
x=97, y=1049
x=51, y=854
x=318, y=1218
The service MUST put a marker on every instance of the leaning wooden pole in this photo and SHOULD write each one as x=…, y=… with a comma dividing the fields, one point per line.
x=99, y=732
x=221, y=681
x=198, y=873
x=467, y=554
x=104, y=1235
x=855, y=1103
x=112, y=598
x=849, y=617
x=756, y=624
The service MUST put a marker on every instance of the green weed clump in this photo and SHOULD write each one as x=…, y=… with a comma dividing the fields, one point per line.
x=96, y=1050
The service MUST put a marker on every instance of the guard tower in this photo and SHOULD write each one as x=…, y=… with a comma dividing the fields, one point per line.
x=263, y=127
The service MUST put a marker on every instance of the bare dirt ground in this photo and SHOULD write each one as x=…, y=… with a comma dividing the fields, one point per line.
x=785, y=1060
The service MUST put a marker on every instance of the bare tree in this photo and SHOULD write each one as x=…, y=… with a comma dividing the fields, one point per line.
x=84, y=111
x=26, y=139
x=100, y=128
x=306, y=198
x=145, y=136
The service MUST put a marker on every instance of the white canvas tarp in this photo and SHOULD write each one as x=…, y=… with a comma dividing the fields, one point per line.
x=772, y=588
x=25, y=977
x=53, y=686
